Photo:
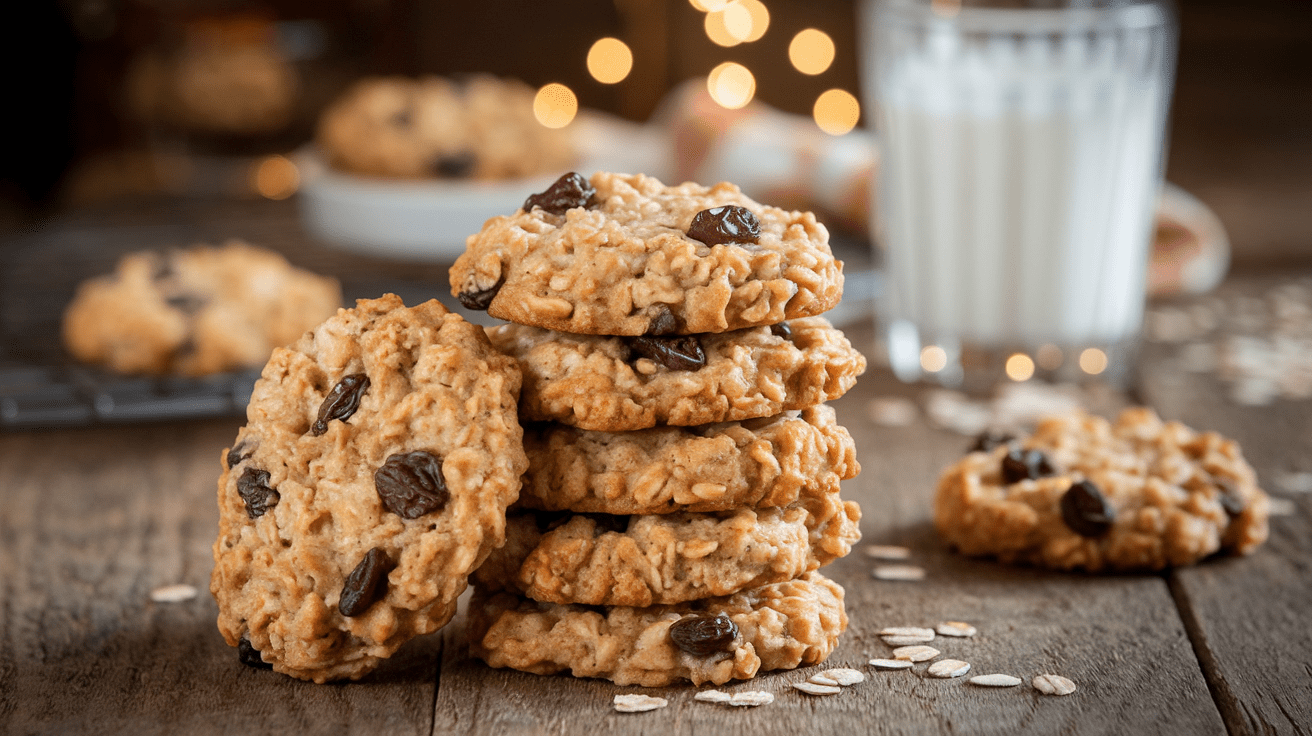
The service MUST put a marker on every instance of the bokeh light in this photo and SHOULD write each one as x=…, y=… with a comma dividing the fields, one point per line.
x=731, y=85
x=1049, y=357
x=555, y=105
x=933, y=358
x=760, y=19
x=717, y=31
x=1093, y=361
x=811, y=51
x=1019, y=367
x=737, y=21
x=709, y=6
x=609, y=60
x=275, y=177
x=837, y=112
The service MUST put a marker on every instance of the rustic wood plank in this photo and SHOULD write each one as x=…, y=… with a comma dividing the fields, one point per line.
x=1248, y=617
x=1118, y=637
x=92, y=521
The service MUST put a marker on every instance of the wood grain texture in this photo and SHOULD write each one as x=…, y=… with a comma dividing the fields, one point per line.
x=1249, y=617
x=92, y=521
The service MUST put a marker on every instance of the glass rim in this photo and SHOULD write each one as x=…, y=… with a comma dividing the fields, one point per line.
x=1131, y=15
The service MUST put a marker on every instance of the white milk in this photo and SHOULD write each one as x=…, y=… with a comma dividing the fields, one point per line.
x=1018, y=180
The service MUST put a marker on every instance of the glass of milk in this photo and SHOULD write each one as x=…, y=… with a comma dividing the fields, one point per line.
x=1021, y=156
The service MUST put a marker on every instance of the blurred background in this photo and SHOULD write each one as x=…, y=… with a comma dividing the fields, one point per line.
x=90, y=125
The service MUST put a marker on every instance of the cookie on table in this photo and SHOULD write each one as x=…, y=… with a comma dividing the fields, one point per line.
x=773, y=627
x=618, y=384
x=479, y=127
x=649, y=560
x=196, y=311
x=1083, y=493
x=626, y=255
x=373, y=475
x=755, y=463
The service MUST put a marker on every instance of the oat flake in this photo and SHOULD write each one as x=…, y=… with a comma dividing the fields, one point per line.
x=713, y=696
x=899, y=572
x=955, y=628
x=822, y=680
x=638, y=703
x=810, y=688
x=949, y=668
x=752, y=698
x=887, y=552
x=890, y=664
x=916, y=653
x=914, y=631
x=1053, y=685
x=995, y=680
x=173, y=593
x=844, y=676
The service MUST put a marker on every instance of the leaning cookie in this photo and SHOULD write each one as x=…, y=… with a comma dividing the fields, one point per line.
x=196, y=311
x=627, y=255
x=373, y=475
x=618, y=384
x=756, y=463
x=773, y=627
x=1082, y=493
x=671, y=558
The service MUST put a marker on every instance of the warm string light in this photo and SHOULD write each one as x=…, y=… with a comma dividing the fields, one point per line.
x=1093, y=361
x=275, y=177
x=708, y=6
x=731, y=85
x=811, y=51
x=837, y=112
x=609, y=60
x=718, y=31
x=933, y=358
x=1019, y=367
x=760, y=19
x=555, y=105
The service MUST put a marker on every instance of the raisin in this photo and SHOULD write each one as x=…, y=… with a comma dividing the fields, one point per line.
x=480, y=300
x=570, y=191
x=989, y=440
x=676, y=353
x=250, y=656
x=411, y=485
x=1086, y=511
x=238, y=454
x=727, y=224
x=341, y=402
x=1019, y=465
x=253, y=487
x=664, y=323
x=186, y=303
x=366, y=583
x=455, y=165
x=703, y=635
x=782, y=330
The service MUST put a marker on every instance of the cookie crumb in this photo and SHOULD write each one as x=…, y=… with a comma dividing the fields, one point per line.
x=955, y=628
x=634, y=703
x=1053, y=685
x=908, y=573
x=811, y=688
x=946, y=668
x=173, y=593
x=890, y=664
x=887, y=552
x=995, y=680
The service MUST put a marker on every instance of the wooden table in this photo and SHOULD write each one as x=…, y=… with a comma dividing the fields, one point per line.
x=93, y=519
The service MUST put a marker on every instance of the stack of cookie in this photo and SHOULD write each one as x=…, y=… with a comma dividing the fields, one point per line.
x=684, y=472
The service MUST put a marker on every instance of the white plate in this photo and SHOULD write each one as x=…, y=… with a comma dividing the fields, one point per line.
x=429, y=220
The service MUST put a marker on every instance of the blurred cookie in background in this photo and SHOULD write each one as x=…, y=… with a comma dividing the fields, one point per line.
x=474, y=127
x=197, y=311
